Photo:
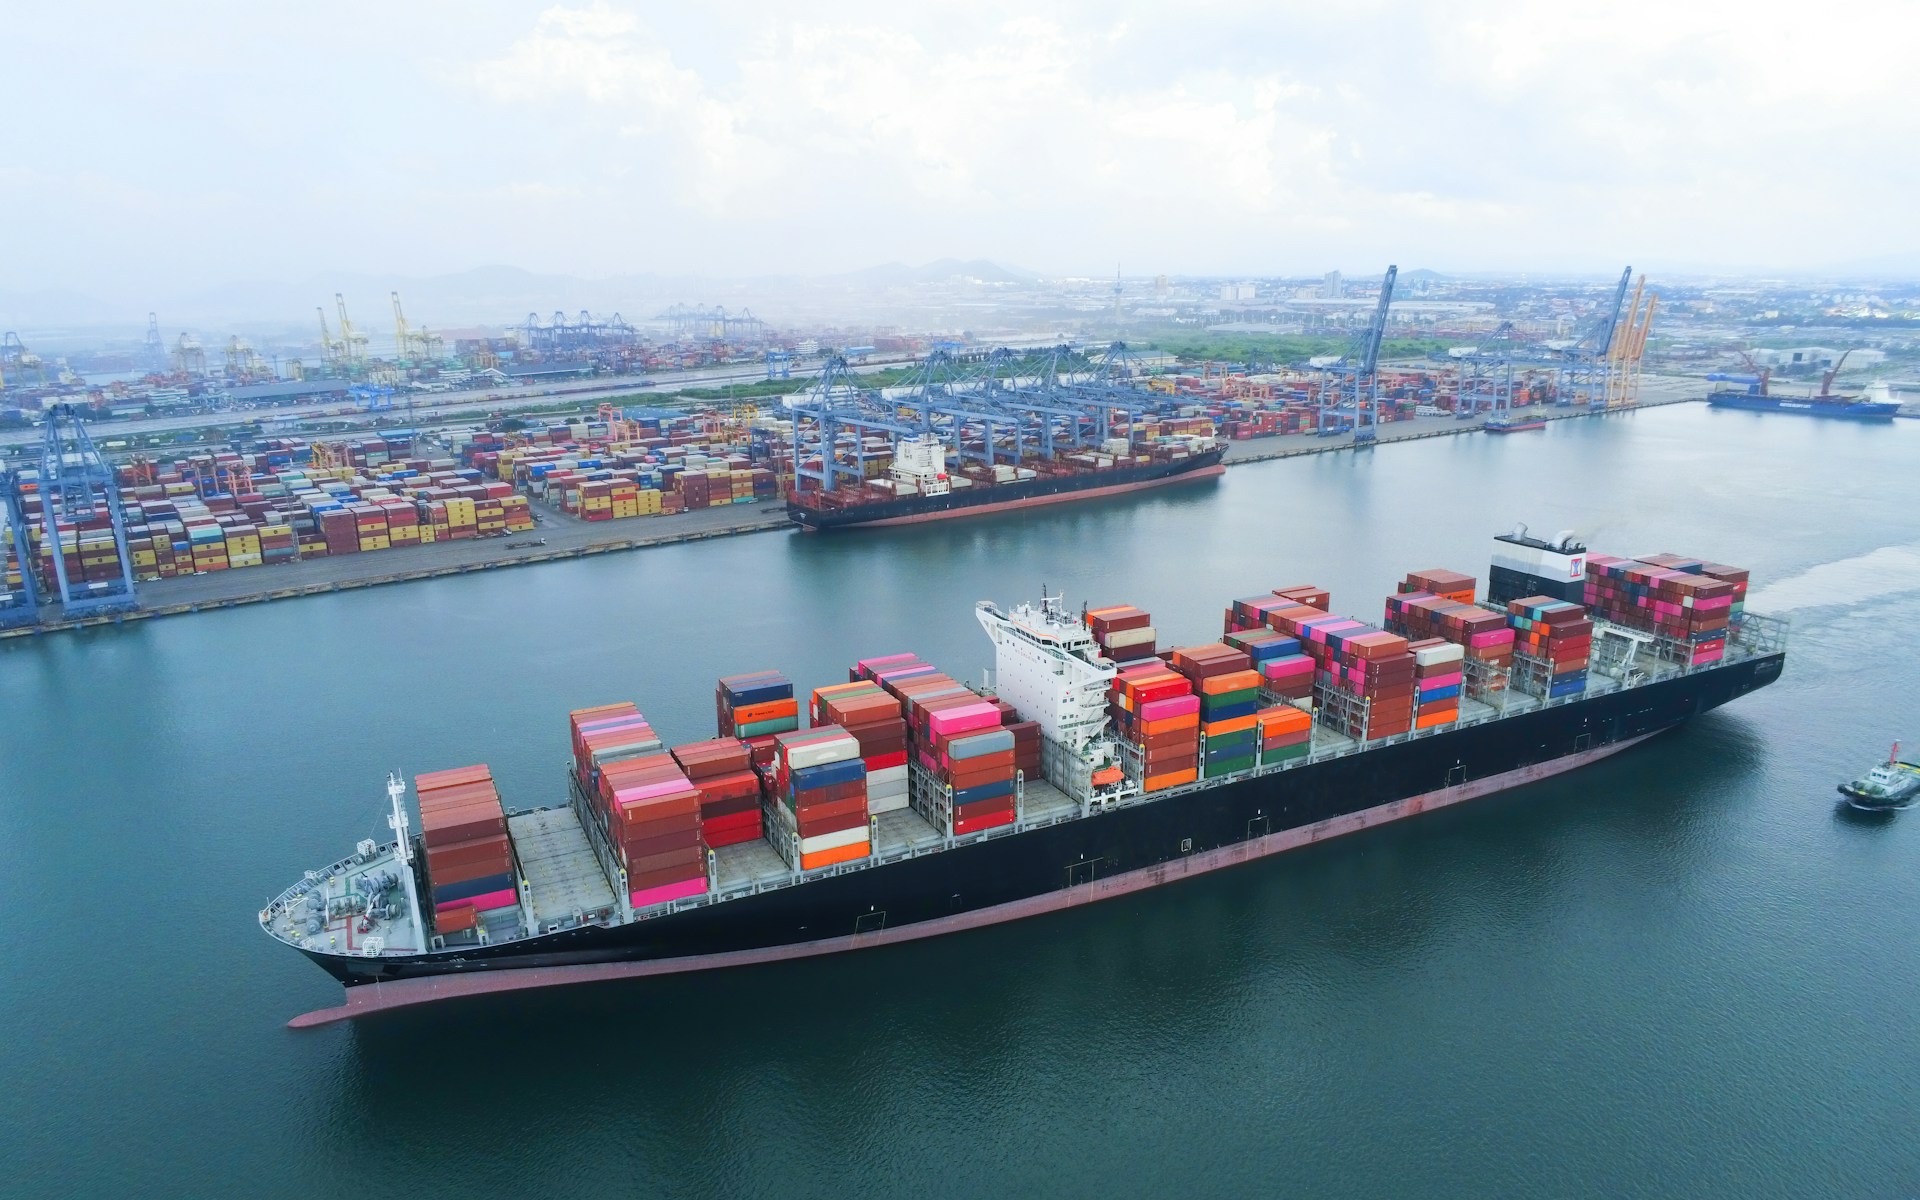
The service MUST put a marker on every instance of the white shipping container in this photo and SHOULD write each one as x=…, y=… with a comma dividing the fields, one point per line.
x=887, y=775
x=833, y=841
x=1131, y=637
x=814, y=754
x=1434, y=656
x=887, y=804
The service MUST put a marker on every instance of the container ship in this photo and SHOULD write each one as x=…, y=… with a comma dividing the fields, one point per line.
x=1845, y=408
x=1093, y=762
x=920, y=486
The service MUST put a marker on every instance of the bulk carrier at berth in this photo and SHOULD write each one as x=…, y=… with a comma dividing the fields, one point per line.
x=1095, y=765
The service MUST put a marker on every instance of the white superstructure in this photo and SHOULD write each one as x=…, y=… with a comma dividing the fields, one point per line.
x=921, y=461
x=1558, y=558
x=1048, y=666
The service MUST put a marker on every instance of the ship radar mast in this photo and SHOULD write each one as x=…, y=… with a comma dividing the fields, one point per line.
x=403, y=847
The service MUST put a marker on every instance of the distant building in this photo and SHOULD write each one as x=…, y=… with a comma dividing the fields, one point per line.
x=289, y=389
x=1235, y=292
x=1817, y=358
x=1332, y=287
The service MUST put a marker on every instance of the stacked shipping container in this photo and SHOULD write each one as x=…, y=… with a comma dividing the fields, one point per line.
x=1553, y=639
x=1688, y=604
x=1482, y=633
x=1123, y=632
x=469, y=857
x=820, y=798
x=721, y=770
x=1439, y=679
x=871, y=716
x=1154, y=709
x=1229, y=691
x=1286, y=733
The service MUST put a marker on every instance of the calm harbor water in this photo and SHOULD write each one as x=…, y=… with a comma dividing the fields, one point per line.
x=1680, y=972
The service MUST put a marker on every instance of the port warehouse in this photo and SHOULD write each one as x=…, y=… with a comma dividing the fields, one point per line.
x=208, y=511
x=796, y=782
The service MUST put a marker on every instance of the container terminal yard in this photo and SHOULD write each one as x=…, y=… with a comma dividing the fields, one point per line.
x=321, y=515
x=96, y=532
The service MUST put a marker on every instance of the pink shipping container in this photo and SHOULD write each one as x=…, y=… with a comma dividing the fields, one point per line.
x=668, y=891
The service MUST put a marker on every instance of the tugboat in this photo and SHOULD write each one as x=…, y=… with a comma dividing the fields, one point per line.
x=1889, y=787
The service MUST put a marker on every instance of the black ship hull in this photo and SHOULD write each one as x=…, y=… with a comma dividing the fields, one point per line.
x=1051, y=867
x=980, y=500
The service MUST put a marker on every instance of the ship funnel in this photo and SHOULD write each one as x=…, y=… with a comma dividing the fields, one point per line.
x=1563, y=541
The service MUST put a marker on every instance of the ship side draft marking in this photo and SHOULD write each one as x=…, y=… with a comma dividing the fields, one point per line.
x=372, y=998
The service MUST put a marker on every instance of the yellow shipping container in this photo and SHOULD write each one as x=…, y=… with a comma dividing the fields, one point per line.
x=375, y=543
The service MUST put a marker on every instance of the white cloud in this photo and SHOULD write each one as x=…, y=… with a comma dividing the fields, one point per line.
x=1228, y=137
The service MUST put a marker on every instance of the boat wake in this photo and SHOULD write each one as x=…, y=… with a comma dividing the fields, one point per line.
x=1888, y=571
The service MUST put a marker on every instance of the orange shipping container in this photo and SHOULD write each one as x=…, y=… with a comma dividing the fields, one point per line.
x=839, y=854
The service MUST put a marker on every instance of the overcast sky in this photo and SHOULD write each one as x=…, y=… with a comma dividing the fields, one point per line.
x=190, y=145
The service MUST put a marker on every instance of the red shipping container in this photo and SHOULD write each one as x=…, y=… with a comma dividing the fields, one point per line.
x=663, y=844
x=734, y=837
x=821, y=826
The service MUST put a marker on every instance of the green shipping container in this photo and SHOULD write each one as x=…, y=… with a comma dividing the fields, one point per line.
x=1228, y=766
x=1281, y=754
x=777, y=725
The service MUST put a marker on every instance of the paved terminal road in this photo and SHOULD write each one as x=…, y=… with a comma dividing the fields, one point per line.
x=567, y=537
x=564, y=537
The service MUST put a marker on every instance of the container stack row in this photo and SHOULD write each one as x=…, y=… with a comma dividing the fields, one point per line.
x=820, y=798
x=968, y=752
x=1688, y=604
x=1438, y=679
x=754, y=708
x=646, y=806
x=1553, y=640
x=469, y=857
x=1482, y=633
x=1286, y=733
x=1154, y=709
x=653, y=824
x=871, y=716
x=721, y=770
x=1123, y=632
x=1286, y=673
x=1448, y=585
x=1229, y=691
x=963, y=757
x=607, y=733
x=1363, y=681
x=1257, y=611
x=615, y=499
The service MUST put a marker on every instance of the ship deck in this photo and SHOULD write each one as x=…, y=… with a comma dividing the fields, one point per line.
x=567, y=865
x=559, y=866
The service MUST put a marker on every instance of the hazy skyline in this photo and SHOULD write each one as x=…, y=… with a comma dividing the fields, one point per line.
x=160, y=151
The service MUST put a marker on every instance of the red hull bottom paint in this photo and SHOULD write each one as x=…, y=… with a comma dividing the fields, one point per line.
x=381, y=997
x=983, y=510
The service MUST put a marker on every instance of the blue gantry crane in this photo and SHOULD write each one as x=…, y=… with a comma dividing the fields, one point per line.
x=999, y=412
x=78, y=489
x=1350, y=386
x=18, y=606
x=1587, y=365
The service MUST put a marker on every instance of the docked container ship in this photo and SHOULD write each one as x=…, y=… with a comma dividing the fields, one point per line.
x=1096, y=763
x=1844, y=408
x=920, y=486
